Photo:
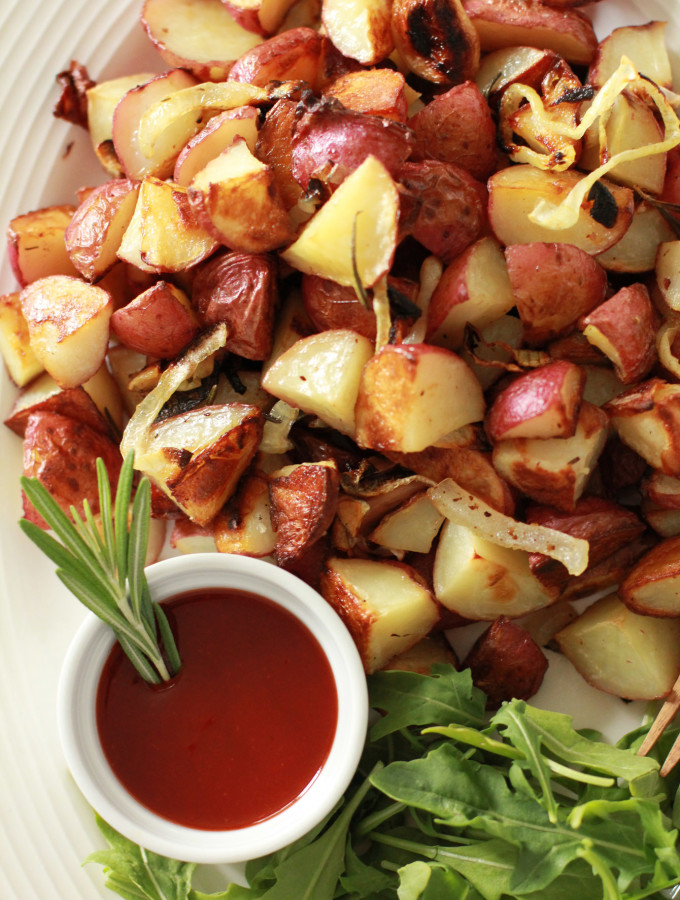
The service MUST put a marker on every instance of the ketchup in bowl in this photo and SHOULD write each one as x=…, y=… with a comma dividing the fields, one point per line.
x=252, y=743
x=240, y=732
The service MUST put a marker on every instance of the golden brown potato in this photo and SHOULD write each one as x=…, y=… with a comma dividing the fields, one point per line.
x=275, y=148
x=235, y=199
x=436, y=40
x=15, y=342
x=35, y=244
x=554, y=471
x=61, y=453
x=376, y=92
x=303, y=500
x=244, y=525
x=430, y=650
x=646, y=417
x=384, y=604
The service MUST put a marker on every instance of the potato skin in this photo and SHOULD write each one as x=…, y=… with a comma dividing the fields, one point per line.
x=240, y=289
x=506, y=662
x=61, y=453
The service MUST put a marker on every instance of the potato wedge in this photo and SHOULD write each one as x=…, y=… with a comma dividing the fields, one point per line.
x=68, y=323
x=622, y=653
x=385, y=605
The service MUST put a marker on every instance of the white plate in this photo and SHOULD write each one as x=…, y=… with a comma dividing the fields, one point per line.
x=46, y=829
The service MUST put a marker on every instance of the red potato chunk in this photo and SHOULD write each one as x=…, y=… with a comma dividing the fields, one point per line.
x=159, y=323
x=442, y=206
x=554, y=471
x=506, y=662
x=543, y=403
x=329, y=142
x=607, y=526
x=241, y=290
x=96, y=229
x=457, y=127
x=524, y=22
x=554, y=285
x=624, y=328
x=61, y=453
x=303, y=503
x=294, y=55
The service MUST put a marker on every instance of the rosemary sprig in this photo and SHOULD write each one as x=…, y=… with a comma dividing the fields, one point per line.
x=103, y=565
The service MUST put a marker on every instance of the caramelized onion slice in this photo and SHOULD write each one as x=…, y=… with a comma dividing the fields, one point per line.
x=137, y=432
x=464, y=508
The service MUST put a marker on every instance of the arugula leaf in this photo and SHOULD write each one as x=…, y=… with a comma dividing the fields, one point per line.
x=408, y=699
x=138, y=874
x=431, y=881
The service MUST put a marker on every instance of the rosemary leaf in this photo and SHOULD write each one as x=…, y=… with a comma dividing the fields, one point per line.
x=59, y=555
x=167, y=638
x=93, y=598
x=138, y=659
x=55, y=517
x=121, y=511
x=136, y=552
x=105, y=513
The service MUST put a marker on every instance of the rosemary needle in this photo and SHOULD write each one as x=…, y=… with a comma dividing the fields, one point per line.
x=103, y=565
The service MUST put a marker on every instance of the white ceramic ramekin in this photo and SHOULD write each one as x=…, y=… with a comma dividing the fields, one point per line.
x=90, y=769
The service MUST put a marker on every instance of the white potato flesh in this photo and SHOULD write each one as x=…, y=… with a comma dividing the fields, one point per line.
x=645, y=45
x=358, y=224
x=623, y=653
x=464, y=508
x=68, y=324
x=200, y=33
x=385, y=608
x=637, y=250
x=411, y=528
x=320, y=374
x=481, y=580
x=247, y=529
x=631, y=123
x=668, y=272
x=217, y=135
x=360, y=29
x=15, y=343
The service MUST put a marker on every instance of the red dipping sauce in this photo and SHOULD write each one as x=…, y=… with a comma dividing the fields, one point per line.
x=241, y=731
